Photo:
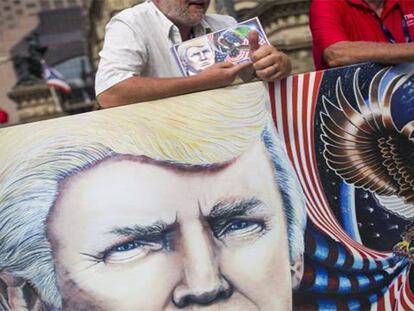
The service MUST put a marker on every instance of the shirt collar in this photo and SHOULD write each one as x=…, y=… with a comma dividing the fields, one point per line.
x=168, y=26
x=202, y=28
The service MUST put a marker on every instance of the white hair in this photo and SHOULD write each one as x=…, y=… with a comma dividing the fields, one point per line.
x=197, y=129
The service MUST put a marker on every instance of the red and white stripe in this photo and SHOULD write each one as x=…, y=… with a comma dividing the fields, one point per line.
x=294, y=102
x=405, y=298
x=54, y=79
x=59, y=84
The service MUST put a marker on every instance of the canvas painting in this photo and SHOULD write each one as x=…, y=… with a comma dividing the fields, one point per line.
x=183, y=203
x=213, y=201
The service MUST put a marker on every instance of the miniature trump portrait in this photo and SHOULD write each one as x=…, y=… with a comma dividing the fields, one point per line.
x=196, y=55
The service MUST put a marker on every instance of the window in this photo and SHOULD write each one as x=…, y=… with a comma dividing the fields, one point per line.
x=31, y=5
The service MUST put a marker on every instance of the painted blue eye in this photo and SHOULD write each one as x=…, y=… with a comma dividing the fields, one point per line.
x=239, y=225
x=242, y=228
x=127, y=246
x=132, y=250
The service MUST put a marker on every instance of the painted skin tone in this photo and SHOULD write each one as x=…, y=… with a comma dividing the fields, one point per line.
x=165, y=238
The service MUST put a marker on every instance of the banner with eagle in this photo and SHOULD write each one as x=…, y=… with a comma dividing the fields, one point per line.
x=349, y=133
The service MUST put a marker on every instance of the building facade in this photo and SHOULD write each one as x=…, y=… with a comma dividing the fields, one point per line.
x=17, y=19
x=286, y=23
x=100, y=13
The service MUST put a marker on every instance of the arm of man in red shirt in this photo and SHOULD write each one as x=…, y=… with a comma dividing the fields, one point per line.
x=347, y=53
x=332, y=47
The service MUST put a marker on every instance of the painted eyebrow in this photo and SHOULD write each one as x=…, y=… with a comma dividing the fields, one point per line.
x=234, y=208
x=152, y=232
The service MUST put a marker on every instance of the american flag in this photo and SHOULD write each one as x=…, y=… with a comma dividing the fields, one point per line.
x=55, y=79
x=293, y=102
x=241, y=50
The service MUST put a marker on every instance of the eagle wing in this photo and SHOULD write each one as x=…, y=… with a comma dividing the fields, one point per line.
x=362, y=144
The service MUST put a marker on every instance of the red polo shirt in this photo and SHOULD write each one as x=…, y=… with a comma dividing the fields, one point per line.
x=333, y=21
x=4, y=117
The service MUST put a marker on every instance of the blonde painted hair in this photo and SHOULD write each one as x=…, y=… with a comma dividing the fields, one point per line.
x=198, y=129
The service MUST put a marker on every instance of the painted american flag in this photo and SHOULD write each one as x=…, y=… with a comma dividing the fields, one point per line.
x=340, y=273
x=241, y=49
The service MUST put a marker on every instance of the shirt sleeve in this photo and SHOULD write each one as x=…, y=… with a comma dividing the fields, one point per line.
x=123, y=55
x=326, y=26
x=230, y=21
x=218, y=22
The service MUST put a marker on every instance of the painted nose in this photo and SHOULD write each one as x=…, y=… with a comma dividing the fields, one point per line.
x=202, y=283
x=203, y=56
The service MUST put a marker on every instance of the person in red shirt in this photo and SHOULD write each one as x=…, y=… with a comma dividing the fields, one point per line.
x=353, y=31
x=4, y=117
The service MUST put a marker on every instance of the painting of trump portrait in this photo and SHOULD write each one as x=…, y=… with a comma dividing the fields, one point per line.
x=184, y=203
x=299, y=196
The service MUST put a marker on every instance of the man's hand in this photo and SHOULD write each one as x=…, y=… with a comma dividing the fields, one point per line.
x=221, y=74
x=269, y=63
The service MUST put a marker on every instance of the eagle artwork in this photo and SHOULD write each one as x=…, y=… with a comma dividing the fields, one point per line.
x=370, y=145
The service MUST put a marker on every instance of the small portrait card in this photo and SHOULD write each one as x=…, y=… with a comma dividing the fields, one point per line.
x=226, y=45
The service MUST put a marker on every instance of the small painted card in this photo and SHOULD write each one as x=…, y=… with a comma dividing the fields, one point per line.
x=226, y=45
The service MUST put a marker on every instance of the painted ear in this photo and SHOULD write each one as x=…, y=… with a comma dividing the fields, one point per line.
x=296, y=271
x=16, y=294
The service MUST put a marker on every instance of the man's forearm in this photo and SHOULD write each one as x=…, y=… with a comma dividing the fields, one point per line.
x=347, y=53
x=138, y=89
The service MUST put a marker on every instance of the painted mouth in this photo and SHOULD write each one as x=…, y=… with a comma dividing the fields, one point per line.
x=205, y=64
